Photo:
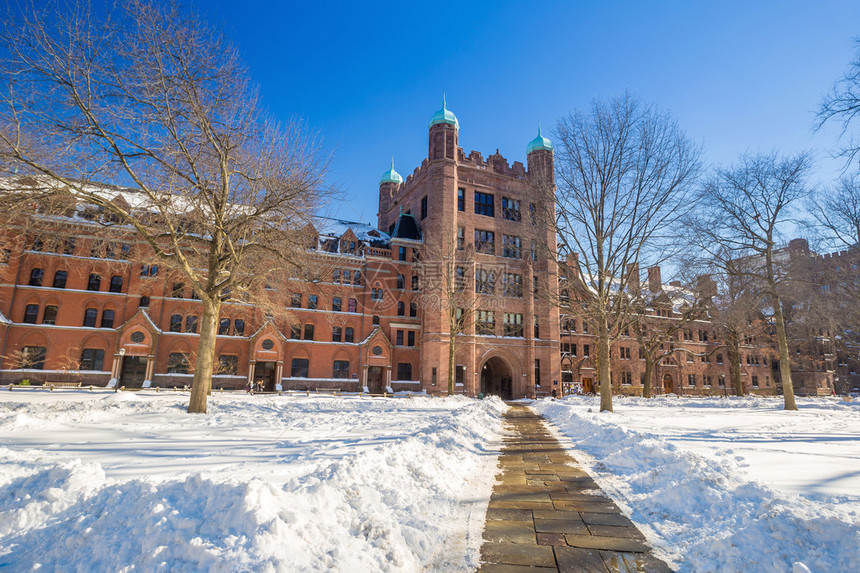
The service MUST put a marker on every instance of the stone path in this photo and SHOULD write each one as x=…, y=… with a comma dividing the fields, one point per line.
x=547, y=514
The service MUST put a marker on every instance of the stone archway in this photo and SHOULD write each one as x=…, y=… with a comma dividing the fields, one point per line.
x=497, y=378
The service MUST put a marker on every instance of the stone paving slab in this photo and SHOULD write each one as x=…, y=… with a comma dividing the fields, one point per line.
x=547, y=514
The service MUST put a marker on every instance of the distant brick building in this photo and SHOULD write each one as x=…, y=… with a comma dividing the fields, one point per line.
x=73, y=308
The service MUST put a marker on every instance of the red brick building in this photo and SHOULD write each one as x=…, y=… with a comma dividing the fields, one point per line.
x=73, y=308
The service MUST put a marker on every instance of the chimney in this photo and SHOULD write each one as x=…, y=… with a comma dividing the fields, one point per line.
x=655, y=284
x=633, y=278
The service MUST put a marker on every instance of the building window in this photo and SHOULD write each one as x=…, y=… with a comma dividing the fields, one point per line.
x=485, y=242
x=336, y=304
x=755, y=381
x=375, y=319
x=340, y=369
x=626, y=379
x=60, y=279
x=149, y=271
x=512, y=247
x=107, y=319
x=401, y=253
x=513, y=324
x=69, y=246
x=404, y=371
x=423, y=207
x=32, y=358
x=375, y=293
x=719, y=358
x=510, y=209
x=335, y=276
x=90, y=316
x=176, y=323
x=410, y=338
x=459, y=375
x=484, y=204
x=94, y=282
x=31, y=314
x=312, y=301
x=92, y=359
x=485, y=281
x=50, y=315
x=585, y=350
x=115, y=284
x=356, y=278
x=413, y=309
x=691, y=379
x=348, y=334
x=191, y=324
x=296, y=331
x=239, y=327
x=461, y=199
x=414, y=282
x=178, y=290
x=177, y=363
x=399, y=338
x=461, y=238
x=537, y=329
x=460, y=279
x=296, y=300
x=228, y=364
x=513, y=285
x=299, y=368
x=36, y=277
x=401, y=308
x=224, y=327
x=336, y=333
x=624, y=351
x=533, y=213
x=352, y=305
x=400, y=281
x=485, y=323
x=309, y=332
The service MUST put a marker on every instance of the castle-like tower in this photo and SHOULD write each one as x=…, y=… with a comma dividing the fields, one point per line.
x=488, y=216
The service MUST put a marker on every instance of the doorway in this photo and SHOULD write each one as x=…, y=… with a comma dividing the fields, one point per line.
x=374, y=379
x=667, y=384
x=133, y=371
x=587, y=386
x=496, y=379
x=264, y=376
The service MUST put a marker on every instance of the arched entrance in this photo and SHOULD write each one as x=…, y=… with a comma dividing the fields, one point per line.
x=496, y=379
x=667, y=384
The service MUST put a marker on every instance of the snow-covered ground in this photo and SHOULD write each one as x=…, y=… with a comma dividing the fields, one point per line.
x=728, y=484
x=129, y=481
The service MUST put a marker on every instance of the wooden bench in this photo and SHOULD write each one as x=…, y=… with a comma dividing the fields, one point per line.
x=51, y=385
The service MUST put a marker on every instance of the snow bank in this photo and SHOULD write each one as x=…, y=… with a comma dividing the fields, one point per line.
x=408, y=496
x=703, y=513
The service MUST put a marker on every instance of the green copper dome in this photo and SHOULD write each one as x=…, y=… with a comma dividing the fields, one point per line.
x=539, y=142
x=391, y=176
x=444, y=116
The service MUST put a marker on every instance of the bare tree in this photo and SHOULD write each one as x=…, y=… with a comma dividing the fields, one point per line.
x=837, y=212
x=743, y=209
x=842, y=103
x=443, y=269
x=623, y=174
x=151, y=98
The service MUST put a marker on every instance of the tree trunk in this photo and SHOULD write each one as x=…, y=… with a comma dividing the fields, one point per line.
x=205, y=356
x=603, y=366
x=734, y=356
x=784, y=358
x=649, y=373
x=451, y=379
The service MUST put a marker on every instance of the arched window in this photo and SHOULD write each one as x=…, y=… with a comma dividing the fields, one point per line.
x=224, y=327
x=115, y=284
x=177, y=363
x=50, y=316
x=309, y=332
x=31, y=313
x=352, y=305
x=239, y=327
x=36, y=277
x=176, y=323
x=90, y=316
x=144, y=301
x=348, y=334
x=94, y=282
x=191, y=324
x=60, y=279
x=336, y=333
x=336, y=304
x=401, y=309
x=107, y=318
x=375, y=319
x=340, y=369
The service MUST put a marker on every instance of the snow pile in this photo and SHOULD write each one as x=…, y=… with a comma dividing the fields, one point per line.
x=703, y=512
x=395, y=485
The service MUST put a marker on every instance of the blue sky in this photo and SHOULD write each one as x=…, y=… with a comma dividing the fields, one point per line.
x=367, y=76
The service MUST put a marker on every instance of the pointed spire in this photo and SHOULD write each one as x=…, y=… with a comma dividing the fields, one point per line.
x=539, y=133
x=391, y=176
x=392, y=164
x=444, y=105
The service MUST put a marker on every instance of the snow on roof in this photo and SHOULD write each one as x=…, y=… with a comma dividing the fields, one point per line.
x=4, y=320
x=337, y=227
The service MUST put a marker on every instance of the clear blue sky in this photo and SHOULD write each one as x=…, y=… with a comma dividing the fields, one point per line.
x=738, y=75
